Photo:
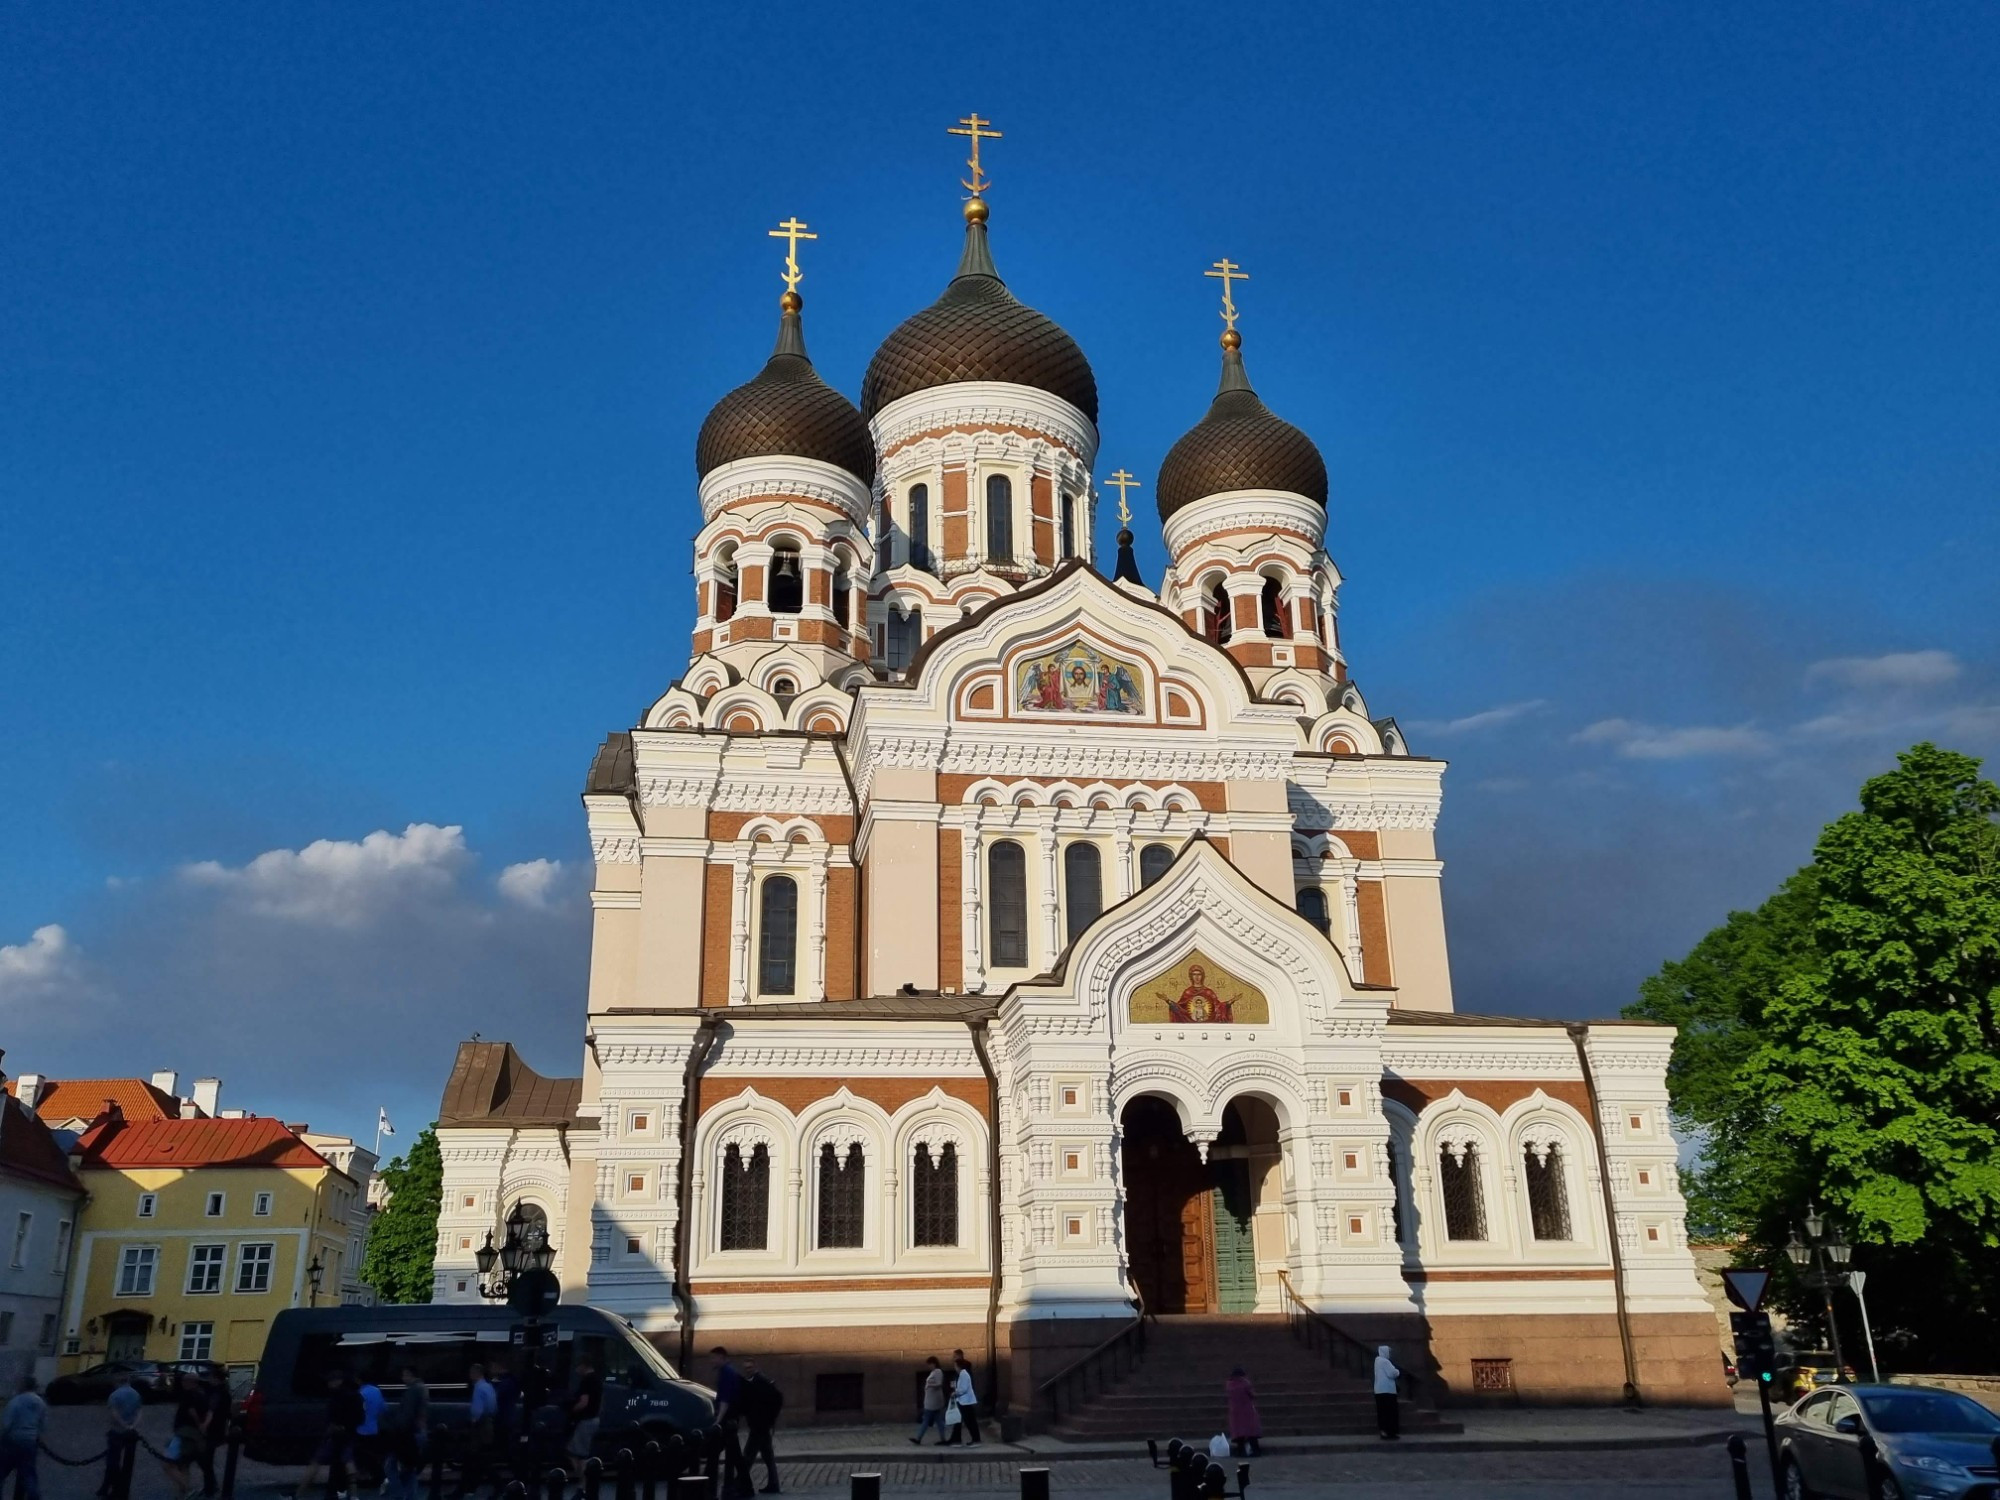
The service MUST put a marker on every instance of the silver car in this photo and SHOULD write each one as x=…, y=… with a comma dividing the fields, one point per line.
x=1929, y=1444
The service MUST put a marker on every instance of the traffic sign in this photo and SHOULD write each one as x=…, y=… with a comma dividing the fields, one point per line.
x=1746, y=1287
x=1756, y=1350
x=534, y=1292
x=533, y=1335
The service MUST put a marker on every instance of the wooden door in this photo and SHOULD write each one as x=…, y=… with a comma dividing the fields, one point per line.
x=1198, y=1244
x=1169, y=1235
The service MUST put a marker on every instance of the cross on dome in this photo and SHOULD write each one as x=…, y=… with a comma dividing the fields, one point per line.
x=974, y=129
x=791, y=232
x=1122, y=481
x=1227, y=271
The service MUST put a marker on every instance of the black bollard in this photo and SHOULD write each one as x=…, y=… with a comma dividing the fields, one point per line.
x=1243, y=1479
x=673, y=1459
x=864, y=1487
x=691, y=1487
x=1739, y=1465
x=1214, y=1483
x=649, y=1469
x=593, y=1477
x=437, y=1475
x=229, y=1458
x=627, y=1472
x=1034, y=1484
x=515, y=1491
x=127, y=1457
x=555, y=1483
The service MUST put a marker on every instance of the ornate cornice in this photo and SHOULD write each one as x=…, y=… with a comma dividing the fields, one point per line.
x=983, y=404
x=776, y=477
x=614, y=848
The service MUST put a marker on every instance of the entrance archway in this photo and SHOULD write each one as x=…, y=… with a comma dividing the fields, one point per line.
x=1191, y=1227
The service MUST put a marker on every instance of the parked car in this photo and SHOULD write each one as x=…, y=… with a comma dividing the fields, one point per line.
x=1728, y=1369
x=1930, y=1444
x=285, y=1415
x=91, y=1386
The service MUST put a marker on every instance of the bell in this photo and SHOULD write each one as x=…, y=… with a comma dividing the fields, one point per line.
x=788, y=565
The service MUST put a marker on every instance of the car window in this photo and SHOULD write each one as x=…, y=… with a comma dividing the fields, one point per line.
x=1840, y=1405
x=1928, y=1411
x=1812, y=1410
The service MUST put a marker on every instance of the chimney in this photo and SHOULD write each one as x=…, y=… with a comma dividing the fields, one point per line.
x=207, y=1093
x=28, y=1089
x=167, y=1083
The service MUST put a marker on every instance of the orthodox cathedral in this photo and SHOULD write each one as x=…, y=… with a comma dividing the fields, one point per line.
x=991, y=950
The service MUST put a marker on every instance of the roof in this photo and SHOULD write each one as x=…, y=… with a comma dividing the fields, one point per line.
x=978, y=331
x=612, y=772
x=929, y=1007
x=1460, y=1018
x=787, y=409
x=28, y=1148
x=491, y=1085
x=85, y=1099
x=257, y=1141
x=1240, y=445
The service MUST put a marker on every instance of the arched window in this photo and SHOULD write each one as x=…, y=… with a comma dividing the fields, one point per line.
x=1548, y=1196
x=920, y=527
x=783, y=687
x=1464, y=1202
x=778, y=937
x=906, y=633
x=1273, y=607
x=843, y=1194
x=1007, y=899
x=1220, y=623
x=1083, y=886
x=999, y=518
x=934, y=1194
x=1068, y=537
x=1153, y=862
x=843, y=589
x=787, y=590
x=1312, y=906
x=725, y=588
x=746, y=1197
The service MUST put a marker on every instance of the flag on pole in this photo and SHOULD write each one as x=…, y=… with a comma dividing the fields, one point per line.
x=382, y=1125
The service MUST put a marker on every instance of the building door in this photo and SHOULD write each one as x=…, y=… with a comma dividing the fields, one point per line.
x=125, y=1338
x=1235, y=1238
x=1169, y=1218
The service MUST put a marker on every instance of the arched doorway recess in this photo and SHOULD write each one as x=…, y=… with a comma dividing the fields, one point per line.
x=1193, y=1229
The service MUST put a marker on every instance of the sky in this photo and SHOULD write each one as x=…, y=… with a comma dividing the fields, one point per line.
x=351, y=362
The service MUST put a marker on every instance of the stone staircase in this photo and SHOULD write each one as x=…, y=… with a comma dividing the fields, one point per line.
x=1175, y=1390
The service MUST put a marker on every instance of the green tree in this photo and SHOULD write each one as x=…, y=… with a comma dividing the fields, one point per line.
x=403, y=1243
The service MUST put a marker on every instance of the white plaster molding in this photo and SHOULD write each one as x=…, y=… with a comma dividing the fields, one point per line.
x=778, y=476
x=982, y=404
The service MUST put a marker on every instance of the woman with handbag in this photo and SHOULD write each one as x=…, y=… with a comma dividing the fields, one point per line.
x=962, y=1416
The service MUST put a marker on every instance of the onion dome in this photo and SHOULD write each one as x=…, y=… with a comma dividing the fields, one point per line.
x=978, y=331
x=787, y=410
x=1240, y=445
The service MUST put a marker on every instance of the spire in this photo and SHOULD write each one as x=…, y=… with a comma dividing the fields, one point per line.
x=1127, y=570
x=1234, y=377
x=977, y=259
x=791, y=329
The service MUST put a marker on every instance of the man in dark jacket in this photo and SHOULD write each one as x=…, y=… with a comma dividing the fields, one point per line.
x=760, y=1401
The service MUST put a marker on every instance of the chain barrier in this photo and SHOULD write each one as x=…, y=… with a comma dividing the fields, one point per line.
x=72, y=1463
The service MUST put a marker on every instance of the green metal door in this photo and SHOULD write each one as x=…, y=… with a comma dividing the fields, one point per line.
x=1235, y=1243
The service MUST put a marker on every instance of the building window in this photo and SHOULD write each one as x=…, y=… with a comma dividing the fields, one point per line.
x=64, y=1231
x=843, y=1183
x=24, y=1225
x=843, y=593
x=784, y=687
x=999, y=518
x=920, y=527
x=48, y=1343
x=1066, y=541
x=261, y=1206
x=1007, y=898
x=725, y=589
x=1153, y=862
x=746, y=1197
x=1220, y=623
x=1464, y=1204
x=634, y=1245
x=934, y=1194
x=135, y=1270
x=253, y=1268
x=1272, y=615
x=197, y=1341
x=1312, y=906
x=904, y=634
x=1548, y=1197
x=1083, y=886
x=212, y=1208
x=786, y=592
x=205, y=1268
x=778, y=936
x=148, y=1204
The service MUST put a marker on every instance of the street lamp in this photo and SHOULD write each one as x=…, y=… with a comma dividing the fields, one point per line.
x=1823, y=1256
x=315, y=1273
x=525, y=1248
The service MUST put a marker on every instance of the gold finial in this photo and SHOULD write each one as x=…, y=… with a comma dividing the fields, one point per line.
x=791, y=232
x=1122, y=482
x=1227, y=271
x=974, y=129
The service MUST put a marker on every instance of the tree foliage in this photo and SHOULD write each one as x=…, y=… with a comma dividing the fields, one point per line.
x=1842, y=1043
x=403, y=1244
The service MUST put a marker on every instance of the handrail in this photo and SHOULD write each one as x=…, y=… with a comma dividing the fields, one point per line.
x=1310, y=1326
x=1115, y=1357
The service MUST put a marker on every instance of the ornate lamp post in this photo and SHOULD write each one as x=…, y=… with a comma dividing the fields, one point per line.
x=526, y=1248
x=1826, y=1254
x=315, y=1273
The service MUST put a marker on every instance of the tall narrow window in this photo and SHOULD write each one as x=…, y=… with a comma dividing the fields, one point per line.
x=1312, y=906
x=1068, y=537
x=843, y=590
x=1464, y=1203
x=1007, y=899
x=1220, y=625
x=999, y=518
x=1548, y=1197
x=778, y=936
x=725, y=588
x=906, y=633
x=920, y=527
x=1083, y=886
x=883, y=561
x=843, y=1191
x=1153, y=862
x=934, y=1194
x=746, y=1197
x=1273, y=611
x=786, y=591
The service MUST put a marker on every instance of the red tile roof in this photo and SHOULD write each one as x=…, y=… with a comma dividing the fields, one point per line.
x=27, y=1149
x=255, y=1142
x=84, y=1099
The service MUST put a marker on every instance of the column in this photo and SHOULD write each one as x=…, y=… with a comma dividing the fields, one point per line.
x=739, y=929
x=1350, y=907
x=816, y=893
x=971, y=940
x=1051, y=891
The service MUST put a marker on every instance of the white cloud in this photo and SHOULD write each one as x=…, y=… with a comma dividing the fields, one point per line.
x=1637, y=741
x=1487, y=718
x=1903, y=670
x=45, y=957
x=531, y=883
x=341, y=882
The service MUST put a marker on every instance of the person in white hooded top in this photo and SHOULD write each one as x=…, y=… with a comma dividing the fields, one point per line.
x=1387, y=1418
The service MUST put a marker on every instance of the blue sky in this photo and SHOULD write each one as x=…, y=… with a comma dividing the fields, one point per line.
x=350, y=365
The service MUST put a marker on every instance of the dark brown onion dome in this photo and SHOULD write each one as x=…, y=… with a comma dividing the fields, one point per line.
x=978, y=331
x=787, y=410
x=1240, y=445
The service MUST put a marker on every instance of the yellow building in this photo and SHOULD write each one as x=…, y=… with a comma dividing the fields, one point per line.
x=195, y=1233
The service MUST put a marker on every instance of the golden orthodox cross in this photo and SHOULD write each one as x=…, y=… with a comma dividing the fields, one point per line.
x=1226, y=271
x=974, y=129
x=791, y=232
x=1122, y=482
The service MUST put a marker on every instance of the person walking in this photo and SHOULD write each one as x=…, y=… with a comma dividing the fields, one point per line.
x=189, y=1444
x=932, y=1414
x=1245, y=1427
x=1387, y=1418
x=121, y=1431
x=21, y=1424
x=760, y=1401
x=966, y=1399
x=409, y=1431
x=585, y=1409
x=482, y=1416
x=213, y=1391
x=368, y=1464
x=726, y=1465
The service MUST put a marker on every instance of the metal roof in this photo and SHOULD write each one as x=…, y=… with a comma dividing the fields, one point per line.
x=490, y=1085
